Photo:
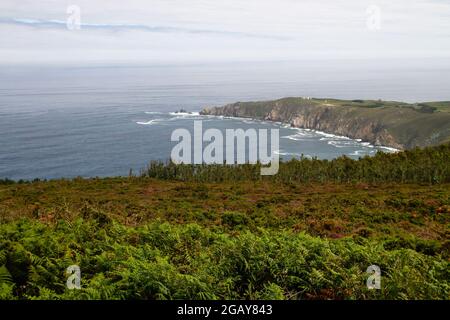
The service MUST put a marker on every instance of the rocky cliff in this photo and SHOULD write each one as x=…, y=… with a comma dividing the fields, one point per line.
x=393, y=124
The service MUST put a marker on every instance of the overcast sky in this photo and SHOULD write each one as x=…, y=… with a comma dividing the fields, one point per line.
x=168, y=31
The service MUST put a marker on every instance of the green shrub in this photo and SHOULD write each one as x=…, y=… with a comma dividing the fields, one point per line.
x=166, y=261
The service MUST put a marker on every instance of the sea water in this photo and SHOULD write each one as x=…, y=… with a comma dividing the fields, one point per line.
x=103, y=121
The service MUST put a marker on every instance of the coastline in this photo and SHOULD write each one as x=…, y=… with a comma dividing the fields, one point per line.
x=323, y=133
x=389, y=124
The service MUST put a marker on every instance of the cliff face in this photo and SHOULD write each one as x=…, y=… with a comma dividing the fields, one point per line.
x=384, y=125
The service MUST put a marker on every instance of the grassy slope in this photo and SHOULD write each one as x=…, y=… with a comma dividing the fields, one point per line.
x=328, y=210
x=406, y=120
x=442, y=106
x=147, y=238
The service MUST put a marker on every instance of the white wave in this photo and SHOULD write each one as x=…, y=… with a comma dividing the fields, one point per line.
x=343, y=143
x=300, y=135
x=186, y=118
x=367, y=144
x=169, y=119
x=184, y=114
x=389, y=149
x=150, y=122
x=294, y=137
x=357, y=153
x=231, y=118
x=154, y=112
x=302, y=131
x=335, y=144
x=280, y=153
x=332, y=136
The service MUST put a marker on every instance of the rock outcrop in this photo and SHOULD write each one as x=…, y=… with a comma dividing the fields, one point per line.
x=400, y=127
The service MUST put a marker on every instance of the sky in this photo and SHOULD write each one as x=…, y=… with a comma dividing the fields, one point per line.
x=198, y=31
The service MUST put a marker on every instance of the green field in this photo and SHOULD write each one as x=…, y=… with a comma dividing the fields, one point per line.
x=183, y=232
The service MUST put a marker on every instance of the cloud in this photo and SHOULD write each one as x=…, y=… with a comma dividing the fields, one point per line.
x=58, y=24
x=145, y=31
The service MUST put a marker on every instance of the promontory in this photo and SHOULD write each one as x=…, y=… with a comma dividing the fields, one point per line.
x=388, y=123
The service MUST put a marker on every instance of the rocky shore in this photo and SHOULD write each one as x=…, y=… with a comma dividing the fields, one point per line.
x=396, y=125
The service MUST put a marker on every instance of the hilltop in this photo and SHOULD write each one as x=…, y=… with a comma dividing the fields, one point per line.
x=226, y=232
x=388, y=123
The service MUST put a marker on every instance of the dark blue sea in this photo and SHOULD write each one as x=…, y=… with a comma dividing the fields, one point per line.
x=68, y=121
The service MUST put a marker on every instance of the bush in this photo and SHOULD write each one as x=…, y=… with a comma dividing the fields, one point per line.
x=164, y=261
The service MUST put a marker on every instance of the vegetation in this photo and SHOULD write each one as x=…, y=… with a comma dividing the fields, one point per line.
x=430, y=165
x=226, y=233
x=442, y=106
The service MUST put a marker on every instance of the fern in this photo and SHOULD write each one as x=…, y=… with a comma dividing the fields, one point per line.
x=2, y=257
x=5, y=276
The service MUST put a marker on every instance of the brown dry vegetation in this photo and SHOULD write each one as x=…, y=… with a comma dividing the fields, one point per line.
x=326, y=210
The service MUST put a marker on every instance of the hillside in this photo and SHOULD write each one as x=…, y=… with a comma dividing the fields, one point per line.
x=394, y=124
x=225, y=232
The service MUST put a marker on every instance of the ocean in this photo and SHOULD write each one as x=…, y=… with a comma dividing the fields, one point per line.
x=101, y=121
